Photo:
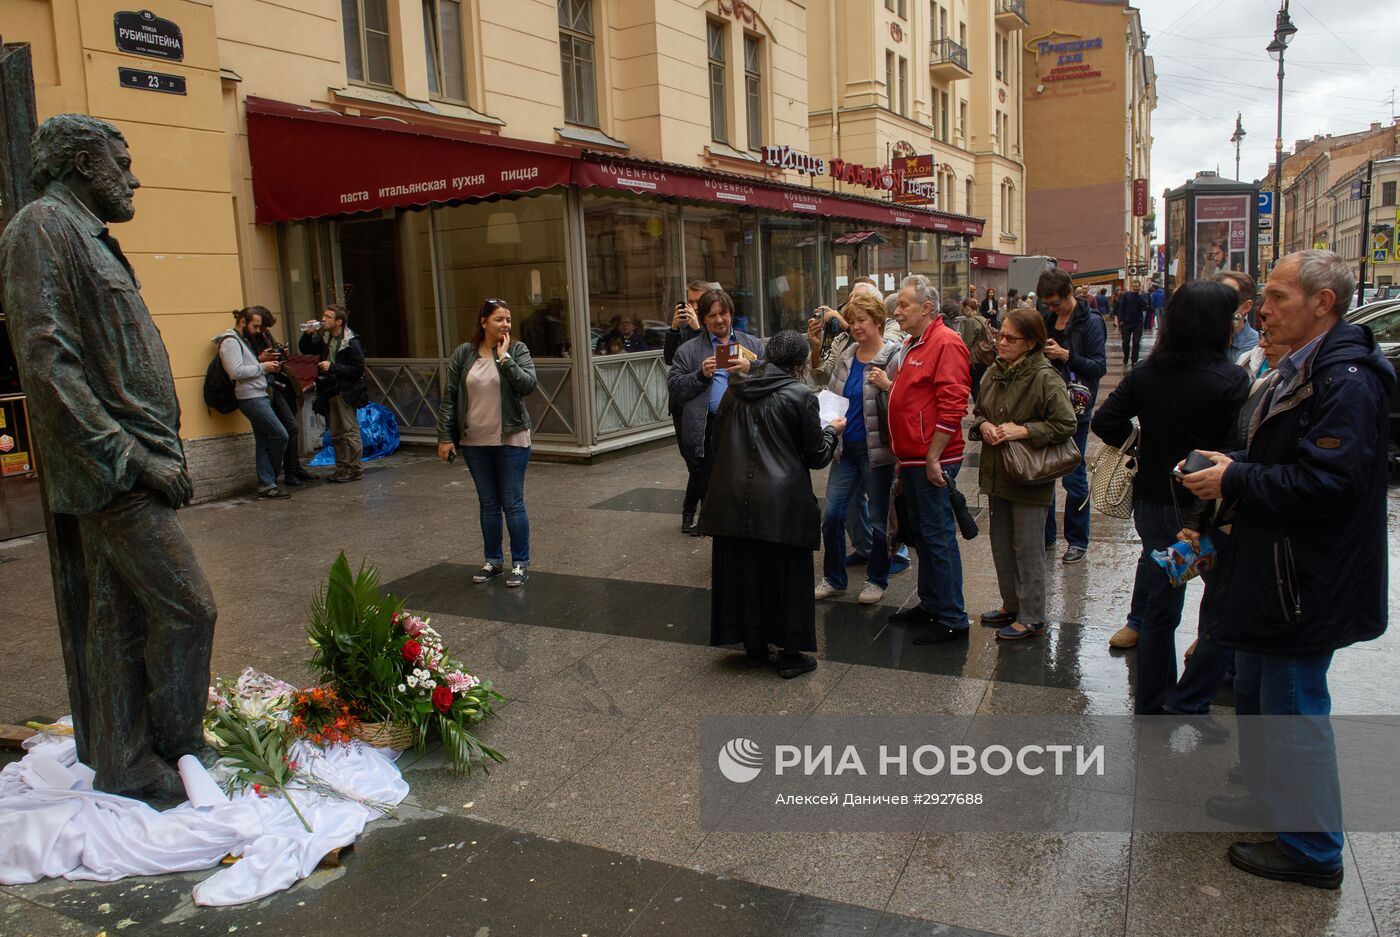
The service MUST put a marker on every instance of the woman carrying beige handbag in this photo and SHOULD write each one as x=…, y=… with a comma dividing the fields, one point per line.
x=1022, y=406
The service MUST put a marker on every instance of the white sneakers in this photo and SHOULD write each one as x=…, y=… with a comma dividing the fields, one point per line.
x=869, y=593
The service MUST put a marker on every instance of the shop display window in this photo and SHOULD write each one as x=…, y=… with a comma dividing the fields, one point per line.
x=793, y=250
x=513, y=249
x=634, y=271
x=721, y=247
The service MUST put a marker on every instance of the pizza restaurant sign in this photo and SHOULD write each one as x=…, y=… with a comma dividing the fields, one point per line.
x=881, y=178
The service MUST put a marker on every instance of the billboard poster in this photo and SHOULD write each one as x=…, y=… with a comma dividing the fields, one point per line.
x=1222, y=234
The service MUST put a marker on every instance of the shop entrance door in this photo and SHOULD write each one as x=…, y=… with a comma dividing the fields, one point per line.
x=21, y=507
x=369, y=280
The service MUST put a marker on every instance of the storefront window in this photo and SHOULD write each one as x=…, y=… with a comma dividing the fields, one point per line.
x=303, y=279
x=719, y=248
x=511, y=250
x=634, y=269
x=386, y=283
x=954, y=253
x=792, y=258
x=923, y=257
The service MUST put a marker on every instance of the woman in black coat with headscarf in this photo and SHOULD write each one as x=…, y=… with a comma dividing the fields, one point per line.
x=761, y=512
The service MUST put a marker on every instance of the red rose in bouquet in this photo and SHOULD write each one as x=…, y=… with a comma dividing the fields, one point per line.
x=442, y=699
x=411, y=650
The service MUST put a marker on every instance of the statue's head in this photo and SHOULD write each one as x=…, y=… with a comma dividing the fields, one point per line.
x=90, y=157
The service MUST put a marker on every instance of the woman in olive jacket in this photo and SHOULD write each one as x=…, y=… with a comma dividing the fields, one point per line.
x=1022, y=397
x=762, y=513
x=483, y=411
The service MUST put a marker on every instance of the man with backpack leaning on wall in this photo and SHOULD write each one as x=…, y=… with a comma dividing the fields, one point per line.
x=246, y=374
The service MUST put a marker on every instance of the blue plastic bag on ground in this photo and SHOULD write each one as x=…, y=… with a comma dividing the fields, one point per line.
x=379, y=435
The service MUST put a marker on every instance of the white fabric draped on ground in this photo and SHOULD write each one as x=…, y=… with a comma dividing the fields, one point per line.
x=54, y=825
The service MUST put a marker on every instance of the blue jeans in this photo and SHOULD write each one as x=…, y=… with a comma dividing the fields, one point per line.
x=499, y=475
x=1076, y=485
x=859, y=531
x=858, y=528
x=269, y=439
x=1278, y=685
x=1208, y=665
x=940, y=561
x=1161, y=607
x=854, y=477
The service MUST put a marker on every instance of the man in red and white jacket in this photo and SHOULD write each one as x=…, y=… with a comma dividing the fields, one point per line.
x=927, y=404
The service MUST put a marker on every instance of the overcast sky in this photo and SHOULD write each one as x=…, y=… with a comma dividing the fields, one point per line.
x=1340, y=70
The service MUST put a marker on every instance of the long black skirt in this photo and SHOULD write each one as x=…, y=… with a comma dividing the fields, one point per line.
x=762, y=593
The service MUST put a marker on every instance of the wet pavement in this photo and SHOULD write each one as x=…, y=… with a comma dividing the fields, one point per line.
x=592, y=827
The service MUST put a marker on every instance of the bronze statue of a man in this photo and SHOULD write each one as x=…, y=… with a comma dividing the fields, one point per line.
x=135, y=612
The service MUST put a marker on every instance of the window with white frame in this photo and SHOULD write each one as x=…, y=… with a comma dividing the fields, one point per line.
x=889, y=79
x=968, y=186
x=366, y=28
x=715, y=39
x=576, y=62
x=1008, y=196
x=944, y=117
x=442, y=40
x=753, y=90
x=903, y=85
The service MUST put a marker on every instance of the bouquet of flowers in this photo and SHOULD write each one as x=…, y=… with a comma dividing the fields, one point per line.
x=391, y=666
x=246, y=723
x=319, y=715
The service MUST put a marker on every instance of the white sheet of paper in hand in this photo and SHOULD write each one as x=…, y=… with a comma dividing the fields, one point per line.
x=831, y=406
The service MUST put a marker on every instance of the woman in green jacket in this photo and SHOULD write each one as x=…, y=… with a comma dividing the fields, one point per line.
x=1022, y=397
x=483, y=411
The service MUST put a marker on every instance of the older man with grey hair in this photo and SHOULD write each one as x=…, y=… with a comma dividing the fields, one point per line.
x=1305, y=572
x=926, y=408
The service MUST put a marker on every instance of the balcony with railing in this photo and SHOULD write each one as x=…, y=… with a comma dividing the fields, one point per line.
x=948, y=60
x=1011, y=14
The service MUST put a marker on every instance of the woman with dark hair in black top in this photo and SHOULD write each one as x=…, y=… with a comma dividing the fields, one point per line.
x=1185, y=397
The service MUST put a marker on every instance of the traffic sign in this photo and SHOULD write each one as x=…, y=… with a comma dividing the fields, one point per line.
x=1266, y=203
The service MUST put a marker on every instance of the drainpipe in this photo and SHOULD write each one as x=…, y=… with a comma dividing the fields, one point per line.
x=835, y=97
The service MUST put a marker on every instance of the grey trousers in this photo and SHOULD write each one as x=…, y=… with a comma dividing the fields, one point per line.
x=345, y=436
x=144, y=674
x=1018, y=550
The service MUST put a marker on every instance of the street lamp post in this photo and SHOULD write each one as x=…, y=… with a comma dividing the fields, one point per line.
x=1237, y=138
x=1283, y=32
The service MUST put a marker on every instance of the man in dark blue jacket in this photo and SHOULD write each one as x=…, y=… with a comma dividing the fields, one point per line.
x=1131, y=311
x=1076, y=348
x=1305, y=572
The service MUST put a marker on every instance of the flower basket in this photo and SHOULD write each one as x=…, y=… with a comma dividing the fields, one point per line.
x=390, y=667
x=393, y=735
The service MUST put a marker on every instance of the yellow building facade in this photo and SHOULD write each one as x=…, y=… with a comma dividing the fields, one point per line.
x=653, y=116
x=937, y=77
x=1090, y=93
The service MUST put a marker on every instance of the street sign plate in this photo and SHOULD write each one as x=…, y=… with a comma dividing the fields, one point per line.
x=151, y=81
x=1266, y=203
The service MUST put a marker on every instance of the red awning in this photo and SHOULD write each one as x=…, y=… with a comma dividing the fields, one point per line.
x=671, y=180
x=310, y=163
x=313, y=163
